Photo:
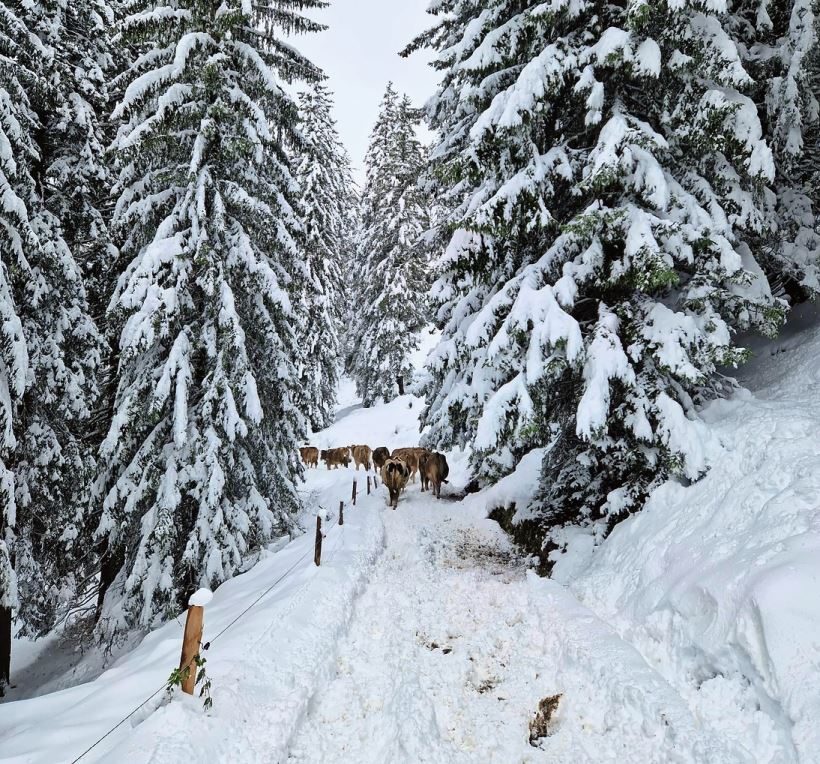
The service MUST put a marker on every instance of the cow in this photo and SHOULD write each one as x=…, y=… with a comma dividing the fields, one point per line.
x=434, y=470
x=395, y=474
x=310, y=456
x=336, y=457
x=411, y=457
x=380, y=456
x=362, y=456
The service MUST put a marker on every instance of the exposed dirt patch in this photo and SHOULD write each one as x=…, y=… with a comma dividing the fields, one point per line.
x=542, y=725
x=432, y=645
x=471, y=550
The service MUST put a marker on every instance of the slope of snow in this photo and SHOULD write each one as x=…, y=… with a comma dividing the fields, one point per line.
x=264, y=669
x=394, y=425
x=716, y=583
x=421, y=638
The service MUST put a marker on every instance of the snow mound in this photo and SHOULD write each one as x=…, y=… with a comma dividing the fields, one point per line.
x=716, y=583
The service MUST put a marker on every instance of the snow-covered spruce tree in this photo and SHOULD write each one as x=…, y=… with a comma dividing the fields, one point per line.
x=612, y=165
x=326, y=206
x=17, y=126
x=779, y=45
x=50, y=350
x=53, y=535
x=77, y=177
x=200, y=463
x=350, y=276
x=391, y=286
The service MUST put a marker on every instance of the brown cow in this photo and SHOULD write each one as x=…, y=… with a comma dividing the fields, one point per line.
x=411, y=457
x=336, y=457
x=362, y=455
x=380, y=456
x=310, y=456
x=434, y=470
x=395, y=474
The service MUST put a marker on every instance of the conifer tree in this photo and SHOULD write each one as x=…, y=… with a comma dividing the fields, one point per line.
x=326, y=207
x=77, y=176
x=51, y=348
x=391, y=286
x=779, y=45
x=17, y=127
x=608, y=166
x=200, y=463
x=74, y=181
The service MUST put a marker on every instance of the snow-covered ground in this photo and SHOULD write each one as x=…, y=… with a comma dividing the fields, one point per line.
x=717, y=584
x=264, y=669
x=691, y=635
x=453, y=644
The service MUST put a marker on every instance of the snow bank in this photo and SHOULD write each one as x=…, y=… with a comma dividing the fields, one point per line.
x=265, y=669
x=614, y=706
x=716, y=583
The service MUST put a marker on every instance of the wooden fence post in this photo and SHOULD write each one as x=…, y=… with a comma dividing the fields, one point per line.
x=354, y=492
x=341, y=513
x=317, y=555
x=190, y=646
x=368, y=485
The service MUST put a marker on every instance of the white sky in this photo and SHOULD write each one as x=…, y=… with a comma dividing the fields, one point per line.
x=359, y=52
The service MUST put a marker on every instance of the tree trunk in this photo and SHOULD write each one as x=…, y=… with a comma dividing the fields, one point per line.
x=400, y=380
x=109, y=567
x=5, y=649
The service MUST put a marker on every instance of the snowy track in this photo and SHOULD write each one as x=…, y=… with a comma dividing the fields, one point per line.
x=422, y=638
x=452, y=645
x=430, y=670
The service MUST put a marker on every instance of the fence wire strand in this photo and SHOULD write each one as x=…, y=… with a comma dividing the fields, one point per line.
x=206, y=645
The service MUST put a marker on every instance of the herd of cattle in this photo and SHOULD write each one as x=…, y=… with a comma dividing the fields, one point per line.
x=396, y=469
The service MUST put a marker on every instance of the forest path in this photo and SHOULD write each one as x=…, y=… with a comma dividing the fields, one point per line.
x=452, y=645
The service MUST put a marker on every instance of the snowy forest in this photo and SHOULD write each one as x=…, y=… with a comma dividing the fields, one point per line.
x=592, y=226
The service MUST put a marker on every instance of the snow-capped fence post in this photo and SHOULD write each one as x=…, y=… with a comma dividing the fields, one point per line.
x=317, y=554
x=354, y=492
x=192, y=638
x=341, y=513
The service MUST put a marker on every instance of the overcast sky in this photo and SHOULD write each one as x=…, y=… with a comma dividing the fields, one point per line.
x=359, y=52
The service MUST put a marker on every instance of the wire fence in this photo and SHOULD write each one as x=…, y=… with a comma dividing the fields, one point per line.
x=206, y=645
